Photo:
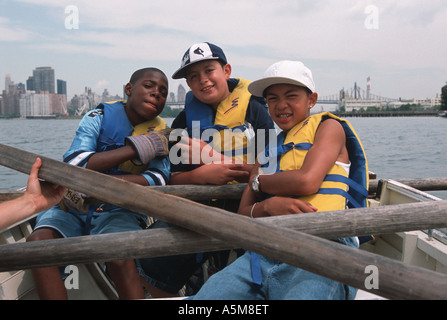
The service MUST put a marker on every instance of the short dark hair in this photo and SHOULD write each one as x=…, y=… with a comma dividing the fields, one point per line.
x=137, y=75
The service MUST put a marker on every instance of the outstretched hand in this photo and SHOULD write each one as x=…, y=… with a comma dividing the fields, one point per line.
x=44, y=195
x=39, y=196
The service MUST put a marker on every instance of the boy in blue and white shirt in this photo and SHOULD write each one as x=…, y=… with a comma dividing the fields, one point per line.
x=119, y=139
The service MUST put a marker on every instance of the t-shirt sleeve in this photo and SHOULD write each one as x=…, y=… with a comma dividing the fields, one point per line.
x=158, y=172
x=85, y=142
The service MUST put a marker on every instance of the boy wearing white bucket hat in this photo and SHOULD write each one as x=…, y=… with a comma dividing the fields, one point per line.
x=319, y=165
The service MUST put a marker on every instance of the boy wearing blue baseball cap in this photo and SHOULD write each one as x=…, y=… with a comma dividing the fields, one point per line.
x=217, y=107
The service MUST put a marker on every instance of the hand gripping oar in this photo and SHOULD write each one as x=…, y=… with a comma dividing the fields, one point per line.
x=311, y=253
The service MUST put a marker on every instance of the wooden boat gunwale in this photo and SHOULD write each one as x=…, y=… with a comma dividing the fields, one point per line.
x=289, y=236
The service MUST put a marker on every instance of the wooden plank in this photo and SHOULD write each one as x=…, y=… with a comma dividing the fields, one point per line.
x=234, y=191
x=172, y=241
x=423, y=184
x=311, y=253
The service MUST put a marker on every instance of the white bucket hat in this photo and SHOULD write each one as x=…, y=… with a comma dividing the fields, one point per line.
x=283, y=72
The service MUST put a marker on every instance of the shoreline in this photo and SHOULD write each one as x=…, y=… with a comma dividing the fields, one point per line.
x=374, y=114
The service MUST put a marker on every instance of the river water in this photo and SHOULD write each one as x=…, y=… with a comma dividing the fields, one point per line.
x=396, y=147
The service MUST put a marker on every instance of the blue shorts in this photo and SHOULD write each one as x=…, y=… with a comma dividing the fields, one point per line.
x=280, y=281
x=169, y=273
x=73, y=224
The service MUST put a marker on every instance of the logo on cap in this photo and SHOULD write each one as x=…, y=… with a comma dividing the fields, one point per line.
x=199, y=51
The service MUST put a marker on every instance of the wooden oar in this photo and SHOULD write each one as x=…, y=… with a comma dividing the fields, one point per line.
x=423, y=184
x=173, y=241
x=311, y=253
x=234, y=191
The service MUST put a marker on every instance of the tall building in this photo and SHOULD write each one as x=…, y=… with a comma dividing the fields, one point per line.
x=34, y=104
x=11, y=96
x=39, y=100
x=44, y=79
x=61, y=87
x=181, y=94
x=8, y=82
x=444, y=98
x=30, y=84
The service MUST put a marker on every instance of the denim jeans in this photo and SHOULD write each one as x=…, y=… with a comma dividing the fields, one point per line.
x=280, y=281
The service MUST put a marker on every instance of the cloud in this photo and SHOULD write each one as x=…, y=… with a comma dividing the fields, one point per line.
x=101, y=85
x=307, y=29
x=328, y=34
x=11, y=33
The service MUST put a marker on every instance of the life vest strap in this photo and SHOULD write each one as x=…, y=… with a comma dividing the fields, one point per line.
x=353, y=186
x=255, y=269
x=220, y=127
x=342, y=193
x=284, y=148
x=351, y=183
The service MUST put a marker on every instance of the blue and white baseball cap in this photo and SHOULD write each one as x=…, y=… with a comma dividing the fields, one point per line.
x=197, y=53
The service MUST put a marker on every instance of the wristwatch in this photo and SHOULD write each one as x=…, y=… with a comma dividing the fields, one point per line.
x=255, y=183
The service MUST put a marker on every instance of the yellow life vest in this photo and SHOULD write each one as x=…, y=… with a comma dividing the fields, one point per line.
x=334, y=190
x=228, y=136
x=152, y=125
x=231, y=113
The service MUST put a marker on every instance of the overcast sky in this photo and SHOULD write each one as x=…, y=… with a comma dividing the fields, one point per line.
x=400, y=44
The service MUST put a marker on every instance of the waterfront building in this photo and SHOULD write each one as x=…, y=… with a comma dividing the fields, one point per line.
x=181, y=94
x=44, y=80
x=61, y=87
x=34, y=104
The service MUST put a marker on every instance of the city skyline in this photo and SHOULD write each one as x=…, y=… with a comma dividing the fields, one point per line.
x=39, y=98
x=44, y=95
x=59, y=86
x=180, y=91
x=400, y=45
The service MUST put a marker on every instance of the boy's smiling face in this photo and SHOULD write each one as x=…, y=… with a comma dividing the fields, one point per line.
x=147, y=97
x=208, y=81
x=289, y=104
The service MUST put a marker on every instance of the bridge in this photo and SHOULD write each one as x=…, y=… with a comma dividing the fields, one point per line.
x=176, y=103
x=381, y=114
x=354, y=93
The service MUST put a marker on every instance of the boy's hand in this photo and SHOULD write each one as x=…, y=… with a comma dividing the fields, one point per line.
x=196, y=151
x=277, y=206
x=220, y=174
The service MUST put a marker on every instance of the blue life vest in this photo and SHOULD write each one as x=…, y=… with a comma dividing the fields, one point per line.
x=116, y=127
